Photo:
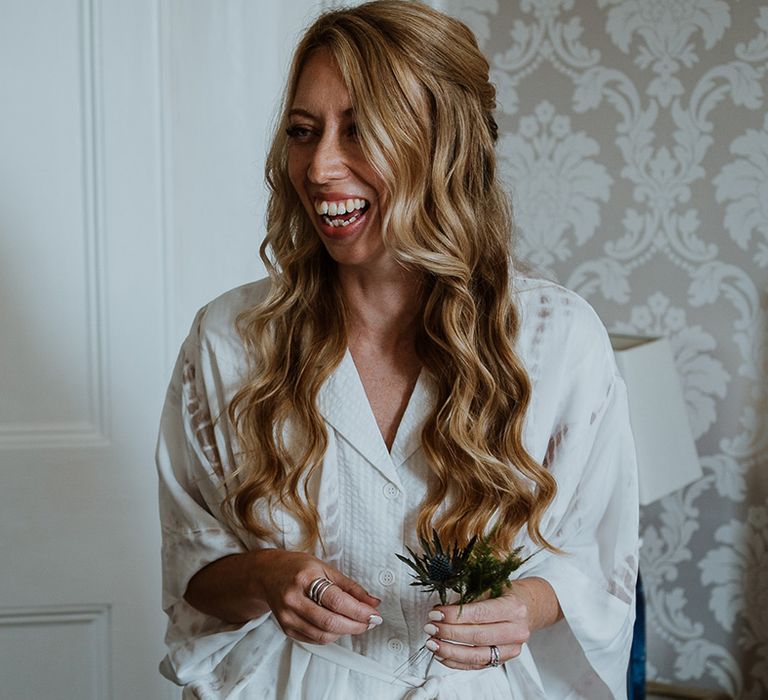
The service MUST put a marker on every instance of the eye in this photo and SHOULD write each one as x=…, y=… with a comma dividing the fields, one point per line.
x=298, y=133
x=353, y=131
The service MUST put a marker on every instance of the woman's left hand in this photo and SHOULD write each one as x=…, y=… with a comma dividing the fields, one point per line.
x=463, y=641
x=502, y=622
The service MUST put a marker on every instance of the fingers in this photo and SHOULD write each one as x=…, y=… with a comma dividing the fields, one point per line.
x=340, y=612
x=480, y=635
x=461, y=636
x=345, y=608
x=303, y=619
x=467, y=658
x=299, y=627
x=355, y=590
x=506, y=608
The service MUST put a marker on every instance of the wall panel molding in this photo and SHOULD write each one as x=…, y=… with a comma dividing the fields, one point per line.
x=94, y=430
x=87, y=626
x=163, y=37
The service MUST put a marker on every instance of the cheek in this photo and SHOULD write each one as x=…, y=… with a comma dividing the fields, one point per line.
x=297, y=167
x=375, y=182
x=294, y=174
x=298, y=185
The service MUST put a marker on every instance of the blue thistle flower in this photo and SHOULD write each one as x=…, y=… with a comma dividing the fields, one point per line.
x=471, y=572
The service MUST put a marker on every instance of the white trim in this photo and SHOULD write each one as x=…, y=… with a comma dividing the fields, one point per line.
x=96, y=617
x=165, y=168
x=95, y=430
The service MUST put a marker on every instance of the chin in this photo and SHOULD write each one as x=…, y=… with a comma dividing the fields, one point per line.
x=365, y=251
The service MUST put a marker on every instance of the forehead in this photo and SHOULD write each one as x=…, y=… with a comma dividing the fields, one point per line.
x=320, y=87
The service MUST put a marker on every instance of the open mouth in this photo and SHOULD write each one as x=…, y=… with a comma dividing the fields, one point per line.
x=337, y=217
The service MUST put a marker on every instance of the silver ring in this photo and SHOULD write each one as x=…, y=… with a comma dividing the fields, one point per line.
x=494, y=662
x=317, y=589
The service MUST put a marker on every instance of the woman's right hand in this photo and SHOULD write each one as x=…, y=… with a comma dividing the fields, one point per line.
x=285, y=578
x=241, y=587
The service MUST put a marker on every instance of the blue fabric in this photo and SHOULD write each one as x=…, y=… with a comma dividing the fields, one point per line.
x=636, y=671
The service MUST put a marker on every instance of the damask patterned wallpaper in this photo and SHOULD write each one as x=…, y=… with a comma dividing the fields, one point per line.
x=635, y=141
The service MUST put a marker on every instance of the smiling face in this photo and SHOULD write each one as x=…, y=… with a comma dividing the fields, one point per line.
x=326, y=165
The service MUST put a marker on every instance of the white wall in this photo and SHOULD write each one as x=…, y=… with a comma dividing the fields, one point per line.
x=132, y=140
x=226, y=67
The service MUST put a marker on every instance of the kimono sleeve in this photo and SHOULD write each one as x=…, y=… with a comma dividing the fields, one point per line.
x=191, y=491
x=594, y=521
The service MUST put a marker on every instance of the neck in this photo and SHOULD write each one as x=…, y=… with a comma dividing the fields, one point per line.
x=383, y=305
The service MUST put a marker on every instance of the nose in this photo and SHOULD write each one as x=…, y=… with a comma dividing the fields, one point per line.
x=328, y=161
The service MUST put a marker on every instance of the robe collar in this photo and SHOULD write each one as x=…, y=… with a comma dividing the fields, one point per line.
x=344, y=405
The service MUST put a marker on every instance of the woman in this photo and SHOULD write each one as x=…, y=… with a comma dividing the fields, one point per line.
x=391, y=376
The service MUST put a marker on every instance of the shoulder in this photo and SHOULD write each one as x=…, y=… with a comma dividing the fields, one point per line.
x=559, y=319
x=214, y=329
x=219, y=316
x=567, y=354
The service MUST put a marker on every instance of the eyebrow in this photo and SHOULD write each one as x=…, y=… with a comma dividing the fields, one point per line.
x=301, y=112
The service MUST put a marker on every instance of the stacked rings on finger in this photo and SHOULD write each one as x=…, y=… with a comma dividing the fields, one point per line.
x=317, y=589
x=494, y=656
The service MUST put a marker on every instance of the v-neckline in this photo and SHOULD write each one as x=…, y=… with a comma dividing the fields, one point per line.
x=370, y=405
x=408, y=435
x=344, y=404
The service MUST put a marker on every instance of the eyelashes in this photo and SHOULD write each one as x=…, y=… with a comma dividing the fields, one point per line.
x=297, y=132
x=302, y=133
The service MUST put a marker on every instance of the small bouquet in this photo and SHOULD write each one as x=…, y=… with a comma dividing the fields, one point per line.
x=471, y=572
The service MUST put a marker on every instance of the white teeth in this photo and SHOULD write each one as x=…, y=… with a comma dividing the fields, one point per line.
x=340, y=222
x=330, y=209
x=345, y=206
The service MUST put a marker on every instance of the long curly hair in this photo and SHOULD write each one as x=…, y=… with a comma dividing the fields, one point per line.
x=423, y=108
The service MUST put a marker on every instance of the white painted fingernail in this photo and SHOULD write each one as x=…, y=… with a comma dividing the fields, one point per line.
x=374, y=621
x=432, y=645
x=440, y=658
x=431, y=630
x=436, y=615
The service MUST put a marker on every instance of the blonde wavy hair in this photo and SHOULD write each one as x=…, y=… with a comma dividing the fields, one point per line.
x=423, y=108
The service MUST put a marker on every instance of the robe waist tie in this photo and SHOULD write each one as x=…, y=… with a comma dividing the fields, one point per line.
x=418, y=688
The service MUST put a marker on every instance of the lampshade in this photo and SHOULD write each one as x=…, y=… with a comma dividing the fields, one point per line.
x=666, y=451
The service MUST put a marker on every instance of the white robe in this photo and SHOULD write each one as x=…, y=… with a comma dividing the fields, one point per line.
x=368, y=497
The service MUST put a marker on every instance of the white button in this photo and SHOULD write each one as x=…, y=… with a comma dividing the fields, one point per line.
x=386, y=577
x=395, y=646
x=391, y=491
